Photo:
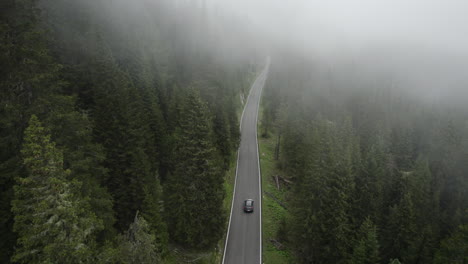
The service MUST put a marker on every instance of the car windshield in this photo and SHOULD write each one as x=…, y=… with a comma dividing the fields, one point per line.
x=248, y=203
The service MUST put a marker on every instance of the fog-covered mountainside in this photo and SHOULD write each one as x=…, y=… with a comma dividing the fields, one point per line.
x=375, y=174
x=119, y=129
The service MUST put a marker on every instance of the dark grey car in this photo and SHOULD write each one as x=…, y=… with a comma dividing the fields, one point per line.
x=248, y=206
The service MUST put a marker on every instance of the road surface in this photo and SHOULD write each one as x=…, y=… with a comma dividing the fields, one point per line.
x=243, y=241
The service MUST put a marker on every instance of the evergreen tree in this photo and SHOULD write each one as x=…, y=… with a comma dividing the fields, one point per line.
x=454, y=249
x=402, y=147
x=234, y=131
x=402, y=229
x=339, y=185
x=305, y=223
x=366, y=248
x=152, y=210
x=370, y=185
x=194, y=193
x=426, y=212
x=320, y=226
x=138, y=244
x=223, y=138
x=73, y=133
x=27, y=71
x=52, y=221
x=121, y=127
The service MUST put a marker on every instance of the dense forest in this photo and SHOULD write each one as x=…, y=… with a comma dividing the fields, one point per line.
x=120, y=119
x=378, y=175
x=118, y=122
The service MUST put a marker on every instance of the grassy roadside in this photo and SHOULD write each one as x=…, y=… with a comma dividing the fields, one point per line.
x=272, y=211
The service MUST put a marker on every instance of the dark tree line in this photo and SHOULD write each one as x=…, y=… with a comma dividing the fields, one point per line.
x=378, y=176
x=103, y=109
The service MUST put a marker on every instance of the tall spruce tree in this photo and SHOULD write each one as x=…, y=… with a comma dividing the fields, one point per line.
x=454, y=249
x=222, y=135
x=320, y=225
x=138, y=244
x=305, y=225
x=366, y=248
x=194, y=192
x=54, y=224
x=26, y=72
x=401, y=229
x=152, y=210
x=119, y=121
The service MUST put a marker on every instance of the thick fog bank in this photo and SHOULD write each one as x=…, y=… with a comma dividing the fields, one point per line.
x=419, y=46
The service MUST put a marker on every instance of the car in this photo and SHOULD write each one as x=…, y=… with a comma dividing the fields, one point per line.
x=248, y=206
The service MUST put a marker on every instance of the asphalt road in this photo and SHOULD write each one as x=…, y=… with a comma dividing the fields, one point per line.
x=243, y=242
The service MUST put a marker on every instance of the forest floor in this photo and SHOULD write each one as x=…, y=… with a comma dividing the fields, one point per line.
x=272, y=211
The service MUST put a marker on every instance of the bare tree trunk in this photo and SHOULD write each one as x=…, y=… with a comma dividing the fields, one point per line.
x=277, y=147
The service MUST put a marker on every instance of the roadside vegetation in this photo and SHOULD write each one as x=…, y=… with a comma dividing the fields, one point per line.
x=274, y=198
x=376, y=175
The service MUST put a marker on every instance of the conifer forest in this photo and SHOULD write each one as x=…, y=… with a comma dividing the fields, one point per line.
x=119, y=133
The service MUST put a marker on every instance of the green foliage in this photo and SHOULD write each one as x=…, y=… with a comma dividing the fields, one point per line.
x=119, y=123
x=138, y=244
x=323, y=191
x=454, y=249
x=194, y=193
x=111, y=101
x=366, y=155
x=53, y=222
x=152, y=211
x=27, y=71
x=222, y=136
x=366, y=248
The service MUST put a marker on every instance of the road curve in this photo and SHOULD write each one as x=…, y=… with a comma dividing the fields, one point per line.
x=244, y=237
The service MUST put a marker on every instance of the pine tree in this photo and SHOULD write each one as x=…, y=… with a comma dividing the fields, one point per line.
x=26, y=72
x=454, y=249
x=305, y=222
x=138, y=244
x=336, y=167
x=52, y=221
x=121, y=125
x=426, y=210
x=194, y=192
x=401, y=229
x=402, y=147
x=234, y=132
x=72, y=131
x=222, y=135
x=369, y=185
x=152, y=210
x=320, y=226
x=366, y=249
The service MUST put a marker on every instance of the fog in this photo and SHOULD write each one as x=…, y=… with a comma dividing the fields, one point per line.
x=413, y=45
x=358, y=23
x=422, y=45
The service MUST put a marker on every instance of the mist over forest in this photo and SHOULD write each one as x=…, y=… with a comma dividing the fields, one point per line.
x=120, y=129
